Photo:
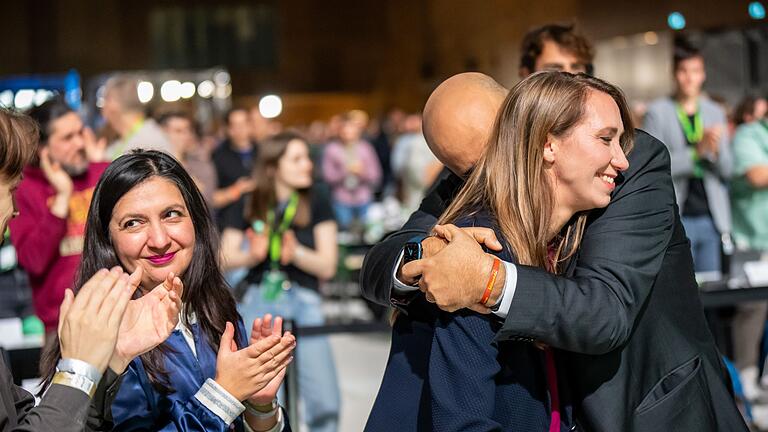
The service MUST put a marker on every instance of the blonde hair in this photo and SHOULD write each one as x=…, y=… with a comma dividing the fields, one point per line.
x=510, y=181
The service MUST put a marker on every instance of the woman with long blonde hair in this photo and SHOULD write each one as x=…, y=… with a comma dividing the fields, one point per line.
x=556, y=150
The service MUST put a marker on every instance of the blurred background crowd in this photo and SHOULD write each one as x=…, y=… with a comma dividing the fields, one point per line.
x=221, y=85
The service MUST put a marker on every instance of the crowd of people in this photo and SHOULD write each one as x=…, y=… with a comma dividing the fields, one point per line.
x=275, y=199
x=191, y=250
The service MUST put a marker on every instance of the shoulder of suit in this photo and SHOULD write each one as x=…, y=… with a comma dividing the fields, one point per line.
x=647, y=147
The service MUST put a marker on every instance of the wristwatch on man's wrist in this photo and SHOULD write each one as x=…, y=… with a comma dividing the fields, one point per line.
x=413, y=249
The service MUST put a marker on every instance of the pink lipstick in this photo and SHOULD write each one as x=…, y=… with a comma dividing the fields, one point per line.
x=161, y=259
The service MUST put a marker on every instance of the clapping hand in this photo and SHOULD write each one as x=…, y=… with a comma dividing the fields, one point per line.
x=356, y=168
x=148, y=320
x=289, y=245
x=258, y=245
x=709, y=146
x=262, y=329
x=89, y=322
x=247, y=371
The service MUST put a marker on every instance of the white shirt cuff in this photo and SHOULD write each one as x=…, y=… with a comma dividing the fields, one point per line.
x=278, y=427
x=219, y=401
x=399, y=286
x=510, y=285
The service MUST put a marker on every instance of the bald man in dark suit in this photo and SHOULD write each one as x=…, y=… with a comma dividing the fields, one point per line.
x=626, y=318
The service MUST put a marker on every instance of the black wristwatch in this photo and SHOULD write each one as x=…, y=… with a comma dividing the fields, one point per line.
x=413, y=250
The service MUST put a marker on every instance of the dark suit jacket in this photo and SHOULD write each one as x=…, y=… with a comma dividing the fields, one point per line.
x=446, y=373
x=62, y=409
x=631, y=308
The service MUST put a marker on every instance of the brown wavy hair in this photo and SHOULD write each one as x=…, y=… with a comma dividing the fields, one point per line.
x=565, y=36
x=18, y=142
x=263, y=197
x=510, y=180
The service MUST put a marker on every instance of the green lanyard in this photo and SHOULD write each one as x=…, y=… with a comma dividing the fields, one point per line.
x=694, y=132
x=764, y=123
x=276, y=232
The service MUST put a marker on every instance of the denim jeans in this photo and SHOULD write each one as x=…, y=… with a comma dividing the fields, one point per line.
x=705, y=243
x=345, y=214
x=318, y=386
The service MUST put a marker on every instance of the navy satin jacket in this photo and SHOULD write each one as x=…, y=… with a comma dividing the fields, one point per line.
x=138, y=406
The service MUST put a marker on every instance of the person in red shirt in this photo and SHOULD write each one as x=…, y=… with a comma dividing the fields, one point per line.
x=53, y=200
x=94, y=352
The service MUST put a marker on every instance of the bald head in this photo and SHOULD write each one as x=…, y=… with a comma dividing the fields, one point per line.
x=459, y=116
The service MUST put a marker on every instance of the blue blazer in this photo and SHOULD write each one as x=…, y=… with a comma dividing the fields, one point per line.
x=138, y=406
x=447, y=373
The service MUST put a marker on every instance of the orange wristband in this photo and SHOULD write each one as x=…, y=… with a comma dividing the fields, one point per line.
x=491, y=282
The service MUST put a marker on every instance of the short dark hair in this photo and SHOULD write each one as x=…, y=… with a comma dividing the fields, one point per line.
x=45, y=114
x=18, y=138
x=231, y=111
x=564, y=36
x=684, y=50
x=170, y=115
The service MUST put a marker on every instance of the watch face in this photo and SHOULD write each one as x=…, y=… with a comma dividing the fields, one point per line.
x=412, y=252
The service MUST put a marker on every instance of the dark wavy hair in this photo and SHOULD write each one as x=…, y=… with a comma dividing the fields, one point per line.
x=206, y=293
x=565, y=36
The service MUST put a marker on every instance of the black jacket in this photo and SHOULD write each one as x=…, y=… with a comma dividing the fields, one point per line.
x=62, y=409
x=637, y=351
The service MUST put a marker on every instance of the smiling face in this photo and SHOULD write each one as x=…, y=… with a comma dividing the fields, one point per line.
x=152, y=228
x=294, y=168
x=587, y=160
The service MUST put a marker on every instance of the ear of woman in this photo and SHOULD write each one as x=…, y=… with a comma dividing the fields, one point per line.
x=550, y=149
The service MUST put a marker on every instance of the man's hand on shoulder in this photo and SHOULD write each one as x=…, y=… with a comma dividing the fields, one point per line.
x=454, y=271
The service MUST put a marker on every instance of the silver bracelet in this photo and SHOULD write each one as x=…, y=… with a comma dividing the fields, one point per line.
x=79, y=382
x=260, y=414
x=79, y=367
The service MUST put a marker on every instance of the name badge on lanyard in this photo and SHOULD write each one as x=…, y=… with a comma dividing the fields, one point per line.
x=275, y=280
